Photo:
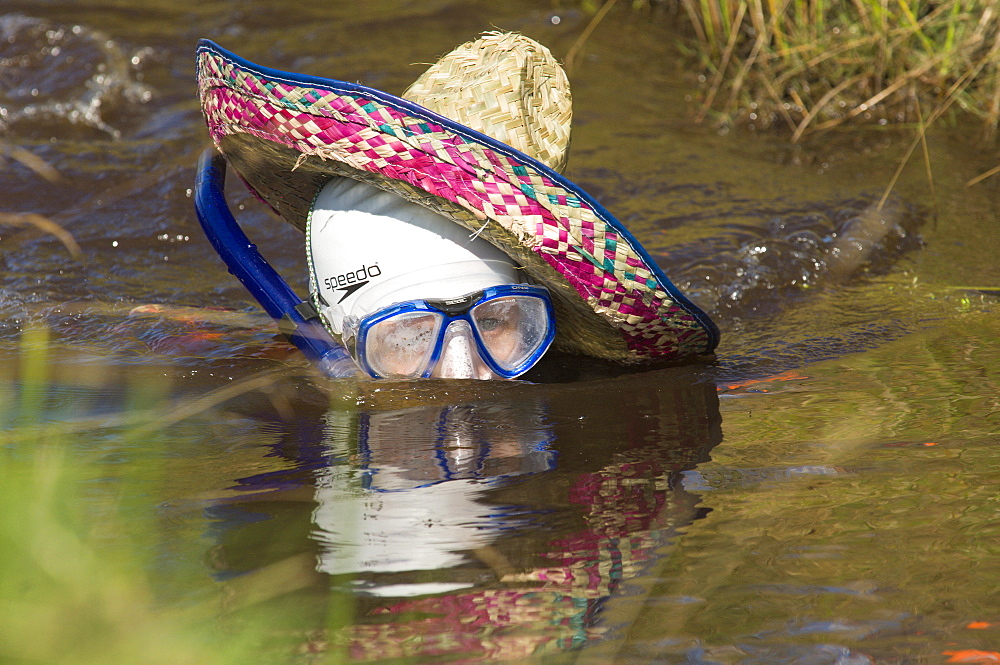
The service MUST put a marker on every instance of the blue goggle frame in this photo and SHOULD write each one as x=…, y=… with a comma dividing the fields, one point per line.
x=455, y=310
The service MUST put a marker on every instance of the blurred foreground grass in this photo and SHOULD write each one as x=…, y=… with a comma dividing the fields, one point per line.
x=102, y=551
x=88, y=568
x=74, y=587
x=77, y=581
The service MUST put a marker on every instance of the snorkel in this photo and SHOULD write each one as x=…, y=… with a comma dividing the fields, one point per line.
x=296, y=318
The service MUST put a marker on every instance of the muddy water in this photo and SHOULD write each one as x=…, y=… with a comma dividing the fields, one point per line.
x=824, y=492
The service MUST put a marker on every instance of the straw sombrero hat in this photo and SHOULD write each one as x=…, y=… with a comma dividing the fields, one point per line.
x=479, y=138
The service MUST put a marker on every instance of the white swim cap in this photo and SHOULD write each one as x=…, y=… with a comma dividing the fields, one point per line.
x=368, y=249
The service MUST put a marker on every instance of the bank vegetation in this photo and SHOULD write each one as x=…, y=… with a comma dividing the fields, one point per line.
x=813, y=65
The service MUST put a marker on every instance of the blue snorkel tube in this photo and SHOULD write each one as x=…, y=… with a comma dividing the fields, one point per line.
x=297, y=319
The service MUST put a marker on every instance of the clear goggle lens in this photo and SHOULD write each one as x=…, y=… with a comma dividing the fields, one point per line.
x=511, y=328
x=401, y=345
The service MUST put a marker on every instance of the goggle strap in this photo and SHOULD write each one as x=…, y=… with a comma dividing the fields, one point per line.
x=307, y=310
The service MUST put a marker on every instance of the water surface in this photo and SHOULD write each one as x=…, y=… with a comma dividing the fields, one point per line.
x=823, y=492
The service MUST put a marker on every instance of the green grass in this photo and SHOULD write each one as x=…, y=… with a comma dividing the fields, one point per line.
x=82, y=537
x=812, y=65
x=76, y=583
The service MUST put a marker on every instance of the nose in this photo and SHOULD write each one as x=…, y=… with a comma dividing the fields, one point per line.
x=460, y=357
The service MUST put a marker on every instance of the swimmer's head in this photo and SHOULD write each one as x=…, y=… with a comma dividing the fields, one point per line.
x=413, y=294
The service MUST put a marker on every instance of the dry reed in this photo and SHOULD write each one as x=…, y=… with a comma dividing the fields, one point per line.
x=816, y=64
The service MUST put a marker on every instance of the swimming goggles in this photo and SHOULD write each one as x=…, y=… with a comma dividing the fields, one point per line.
x=510, y=326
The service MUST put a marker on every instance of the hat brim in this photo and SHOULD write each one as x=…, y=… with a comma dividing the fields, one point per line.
x=287, y=134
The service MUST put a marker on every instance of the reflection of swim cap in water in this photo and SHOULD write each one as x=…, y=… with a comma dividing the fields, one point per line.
x=413, y=500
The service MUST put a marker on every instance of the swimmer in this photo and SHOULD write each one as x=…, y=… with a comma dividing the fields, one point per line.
x=442, y=240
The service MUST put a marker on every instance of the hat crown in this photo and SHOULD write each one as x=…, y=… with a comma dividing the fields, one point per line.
x=506, y=86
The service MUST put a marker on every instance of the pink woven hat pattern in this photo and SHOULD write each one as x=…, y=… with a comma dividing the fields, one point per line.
x=478, y=138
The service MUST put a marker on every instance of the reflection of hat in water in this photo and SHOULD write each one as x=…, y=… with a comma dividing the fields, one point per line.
x=478, y=138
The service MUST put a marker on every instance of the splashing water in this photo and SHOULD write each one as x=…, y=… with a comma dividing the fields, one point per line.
x=56, y=74
x=760, y=270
